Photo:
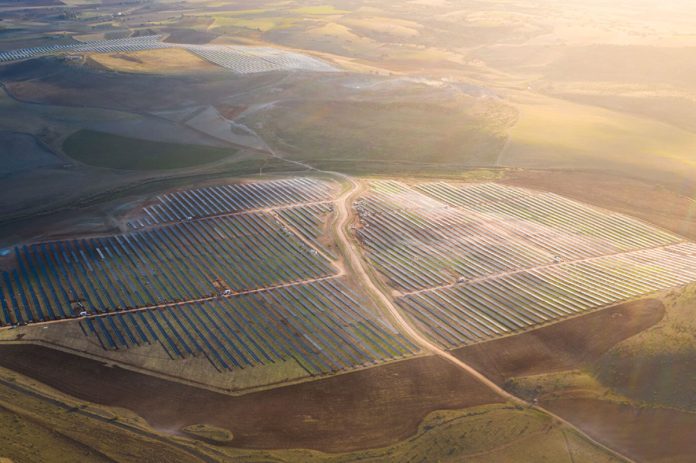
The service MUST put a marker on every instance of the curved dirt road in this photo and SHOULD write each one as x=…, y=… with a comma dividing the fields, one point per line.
x=355, y=261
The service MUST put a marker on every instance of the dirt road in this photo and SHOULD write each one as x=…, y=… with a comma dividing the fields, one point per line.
x=186, y=302
x=355, y=262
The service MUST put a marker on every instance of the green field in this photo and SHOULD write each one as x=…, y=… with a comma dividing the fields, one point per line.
x=465, y=134
x=102, y=149
x=657, y=365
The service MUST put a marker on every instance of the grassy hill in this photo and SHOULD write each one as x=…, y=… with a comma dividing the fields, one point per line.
x=102, y=149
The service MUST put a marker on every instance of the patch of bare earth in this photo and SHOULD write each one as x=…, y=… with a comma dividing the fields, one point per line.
x=158, y=61
x=645, y=434
x=564, y=345
x=368, y=408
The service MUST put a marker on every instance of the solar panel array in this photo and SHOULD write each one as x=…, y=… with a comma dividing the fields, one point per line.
x=231, y=273
x=233, y=198
x=476, y=261
x=178, y=262
x=124, y=45
x=485, y=309
x=248, y=60
x=553, y=212
x=309, y=222
x=240, y=286
x=238, y=59
x=324, y=326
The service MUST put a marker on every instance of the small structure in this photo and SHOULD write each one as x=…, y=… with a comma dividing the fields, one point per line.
x=221, y=287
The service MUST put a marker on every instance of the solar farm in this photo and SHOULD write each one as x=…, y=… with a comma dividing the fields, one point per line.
x=235, y=275
x=249, y=60
x=478, y=261
x=181, y=261
x=322, y=325
x=246, y=275
x=140, y=269
x=238, y=59
x=229, y=199
x=123, y=45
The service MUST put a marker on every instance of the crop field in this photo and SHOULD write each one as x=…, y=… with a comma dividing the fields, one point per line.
x=238, y=59
x=156, y=61
x=321, y=325
x=228, y=199
x=479, y=261
x=184, y=261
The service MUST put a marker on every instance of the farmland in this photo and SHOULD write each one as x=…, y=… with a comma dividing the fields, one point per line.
x=153, y=61
x=277, y=419
x=570, y=366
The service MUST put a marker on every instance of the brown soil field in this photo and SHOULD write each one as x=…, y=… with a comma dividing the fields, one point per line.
x=642, y=433
x=645, y=434
x=564, y=345
x=668, y=206
x=230, y=111
x=161, y=61
x=363, y=409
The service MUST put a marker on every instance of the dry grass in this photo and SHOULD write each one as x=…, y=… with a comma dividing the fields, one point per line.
x=556, y=134
x=52, y=427
x=657, y=365
x=164, y=61
x=209, y=433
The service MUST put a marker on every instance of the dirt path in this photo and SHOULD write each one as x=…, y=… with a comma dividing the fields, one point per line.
x=516, y=271
x=340, y=268
x=510, y=237
x=171, y=305
x=355, y=261
x=267, y=210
